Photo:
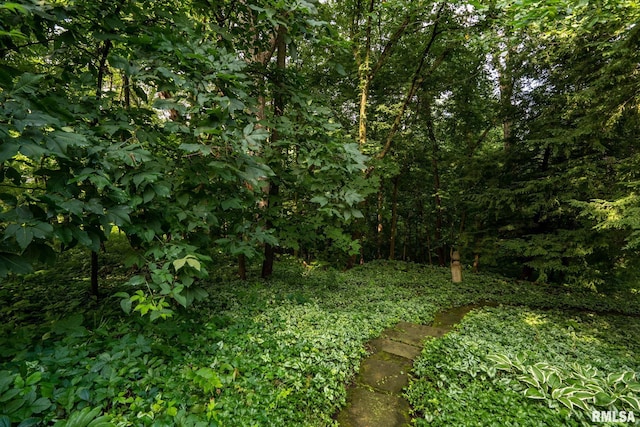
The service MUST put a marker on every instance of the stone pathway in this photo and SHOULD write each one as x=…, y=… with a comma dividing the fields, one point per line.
x=375, y=400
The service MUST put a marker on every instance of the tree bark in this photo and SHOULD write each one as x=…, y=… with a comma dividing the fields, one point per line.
x=380, y=227
x=417, y=80
x=242, y=267
x=436, y=184
x=504, y=66
x=273, y=188
x=103, y=51
x=364, y=74
x=394, y=218
x=95, y=290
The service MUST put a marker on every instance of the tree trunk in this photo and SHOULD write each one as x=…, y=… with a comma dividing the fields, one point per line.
x=429, y=247
x=504, y=65
x=394, y=218
x=364, y=74
x=103, y=52
x=416, y=82
x=278, y=105
x=242, y=267
x=94, y=274
x=380, y=227
x=436, y=185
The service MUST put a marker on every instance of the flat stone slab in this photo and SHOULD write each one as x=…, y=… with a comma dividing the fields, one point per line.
x=395, y=347
x=374, y=409
x=385, y=372
x=376, y=399
x=413, y=334
x=453, y=315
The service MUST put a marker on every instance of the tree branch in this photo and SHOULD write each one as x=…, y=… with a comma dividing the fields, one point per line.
x=415, y=83
x=388, y=48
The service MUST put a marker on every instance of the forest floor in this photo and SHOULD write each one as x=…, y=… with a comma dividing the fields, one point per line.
x=284, y=351
x=376, y=398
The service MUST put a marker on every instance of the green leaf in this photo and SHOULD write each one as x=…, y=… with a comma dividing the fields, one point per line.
x=633, y=387
x=6, y=379
x=33, y=378
x=181, y=299
x=233, y=203
x=538, y=374
x=30, y=421
x=321, y=200
x=632, y=401
x=11, y=393
x=11, y=263
x=179, y=263
x=5, y=421
x=502, y=361
x=14, y=405
x=88, y=417
x=533, y=393
x=26, y=84
x=14, y=7
x=68, y=138
x=8, y=149
x=40, y=405
x=566, y=402
x=119, y=62
x=119, y=215
x=580, y=403
x=125, y=304
x=604, y=399
x=194, y=263
x=554, y=380
x=23, y=236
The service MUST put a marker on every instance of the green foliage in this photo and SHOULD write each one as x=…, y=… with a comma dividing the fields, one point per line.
x=577, y=387
x=527, y=366
x=173, y=272
x=87, y=417
x=277, y=352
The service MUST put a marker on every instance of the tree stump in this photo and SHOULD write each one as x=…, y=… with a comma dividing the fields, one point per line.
x=456, y=267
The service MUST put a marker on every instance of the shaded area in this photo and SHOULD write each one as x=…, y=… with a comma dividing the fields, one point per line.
x=375, y=399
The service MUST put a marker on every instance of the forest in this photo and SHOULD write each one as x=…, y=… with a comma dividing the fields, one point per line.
x=208, y=208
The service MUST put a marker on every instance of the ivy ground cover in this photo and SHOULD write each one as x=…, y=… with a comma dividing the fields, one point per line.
x=277, y=352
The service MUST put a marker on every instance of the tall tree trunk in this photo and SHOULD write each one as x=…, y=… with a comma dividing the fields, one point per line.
x=504, y=65
x=416, y=82
x=242, y=267
x=436, y=184
x=379, y=216
x=273, y=188
x=394, y=218
x=364, y=75
x=429, y=247
x=95, y=290
x=103, y=52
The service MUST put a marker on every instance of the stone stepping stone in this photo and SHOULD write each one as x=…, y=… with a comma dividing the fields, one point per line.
x=452, y=316
x=369, y=408
x=385, y=372
x=398, y=348
x=376, y=398
x=413, y=334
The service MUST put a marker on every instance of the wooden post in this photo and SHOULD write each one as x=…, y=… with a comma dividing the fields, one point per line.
x=456, y=267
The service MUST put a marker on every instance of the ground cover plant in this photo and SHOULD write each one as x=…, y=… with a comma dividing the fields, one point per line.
x=152, y=154
x=520, y=366
x=277, y=352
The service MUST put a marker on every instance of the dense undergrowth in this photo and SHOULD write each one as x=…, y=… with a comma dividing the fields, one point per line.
x=277, y=352
x=518, y=366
